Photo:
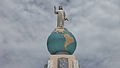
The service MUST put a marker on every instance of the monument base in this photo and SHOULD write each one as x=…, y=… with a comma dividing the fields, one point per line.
x=62, y=61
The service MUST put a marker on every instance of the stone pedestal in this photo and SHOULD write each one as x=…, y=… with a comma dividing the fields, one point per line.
x=62, y=61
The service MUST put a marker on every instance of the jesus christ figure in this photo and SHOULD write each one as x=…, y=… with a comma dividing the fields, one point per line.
x=61, y=17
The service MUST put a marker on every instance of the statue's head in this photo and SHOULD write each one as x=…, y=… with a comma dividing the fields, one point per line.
x=60, y=8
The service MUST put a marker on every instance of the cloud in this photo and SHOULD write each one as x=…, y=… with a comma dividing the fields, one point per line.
x=26, y=25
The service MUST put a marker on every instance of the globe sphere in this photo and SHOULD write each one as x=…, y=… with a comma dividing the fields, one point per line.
x=61, y=40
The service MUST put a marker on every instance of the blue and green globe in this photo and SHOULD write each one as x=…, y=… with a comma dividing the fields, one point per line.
x=61, y=40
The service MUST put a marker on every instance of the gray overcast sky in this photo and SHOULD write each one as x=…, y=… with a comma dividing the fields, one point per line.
x=26, y=24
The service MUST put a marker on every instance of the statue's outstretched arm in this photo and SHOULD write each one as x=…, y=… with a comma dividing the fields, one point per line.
x=65, y=17
x=55, y=10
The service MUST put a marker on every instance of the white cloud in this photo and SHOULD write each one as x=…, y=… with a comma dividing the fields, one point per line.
x=26, y=24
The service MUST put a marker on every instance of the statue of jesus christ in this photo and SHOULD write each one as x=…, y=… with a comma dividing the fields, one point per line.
x=61, y=17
